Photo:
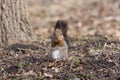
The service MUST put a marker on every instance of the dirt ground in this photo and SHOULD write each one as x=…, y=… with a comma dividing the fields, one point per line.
x=94, y=38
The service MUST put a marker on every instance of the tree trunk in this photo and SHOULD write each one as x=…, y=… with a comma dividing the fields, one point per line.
x=14, y=25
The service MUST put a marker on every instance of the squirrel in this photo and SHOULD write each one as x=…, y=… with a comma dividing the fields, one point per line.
x=59, y=41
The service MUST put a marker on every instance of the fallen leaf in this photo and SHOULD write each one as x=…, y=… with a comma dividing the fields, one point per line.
x=48, y=75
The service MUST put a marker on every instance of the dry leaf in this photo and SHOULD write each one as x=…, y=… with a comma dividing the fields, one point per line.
x=48, y=75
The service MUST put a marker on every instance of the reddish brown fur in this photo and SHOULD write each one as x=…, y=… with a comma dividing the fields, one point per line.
x=59, y=34
x=57, y=38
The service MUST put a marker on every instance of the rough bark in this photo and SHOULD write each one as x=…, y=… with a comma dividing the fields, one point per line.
x=14, y=25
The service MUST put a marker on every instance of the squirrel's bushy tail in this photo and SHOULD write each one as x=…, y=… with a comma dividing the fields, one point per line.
x=62, y=25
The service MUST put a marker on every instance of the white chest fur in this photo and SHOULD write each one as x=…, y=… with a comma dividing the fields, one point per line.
x=60, y=52
x=56, y=54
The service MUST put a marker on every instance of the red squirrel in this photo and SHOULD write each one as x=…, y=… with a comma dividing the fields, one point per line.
x=59, y=41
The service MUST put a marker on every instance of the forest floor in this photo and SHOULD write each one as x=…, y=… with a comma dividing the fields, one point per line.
x=92, y=57
x=94, y=38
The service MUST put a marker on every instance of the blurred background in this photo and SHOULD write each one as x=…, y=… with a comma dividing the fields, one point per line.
x=83, y=16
